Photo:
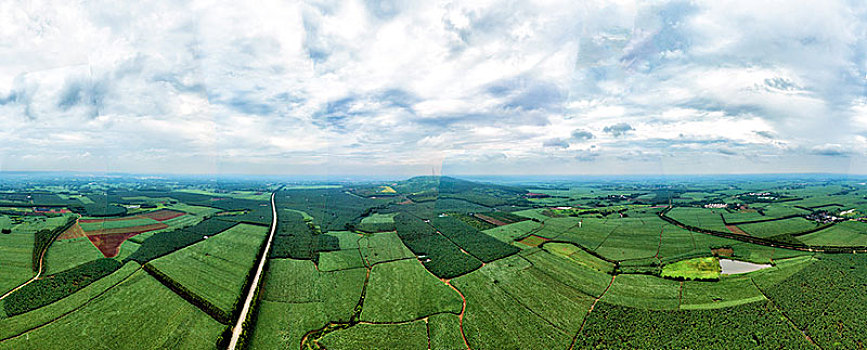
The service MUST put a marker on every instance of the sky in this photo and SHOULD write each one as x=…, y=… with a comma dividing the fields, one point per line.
x=434, y=87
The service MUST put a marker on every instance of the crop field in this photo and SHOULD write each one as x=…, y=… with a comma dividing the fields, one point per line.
x=375, y=336
x=11, y=327
x=727, y=292
x=777, y=227
x=156, y=317
x=708, y=219
x=847, y=233
x=693, y=269
x=215, y=269
x=755, y=325
x=579, y=256
x=512, y=232
x=403, y=291
x=439, y=263
x=15, y=259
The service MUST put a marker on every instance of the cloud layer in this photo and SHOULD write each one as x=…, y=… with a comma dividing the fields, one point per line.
x=400, y=87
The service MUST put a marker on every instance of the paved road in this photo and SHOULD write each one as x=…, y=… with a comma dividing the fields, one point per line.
x=239, y=326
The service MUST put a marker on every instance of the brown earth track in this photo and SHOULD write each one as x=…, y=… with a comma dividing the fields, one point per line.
x=736, y=230
x=163, y=214
x=580, y=329
x=490, y=220
x=463, y=310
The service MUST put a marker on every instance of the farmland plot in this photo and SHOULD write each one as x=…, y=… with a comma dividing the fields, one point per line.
x=217, y=268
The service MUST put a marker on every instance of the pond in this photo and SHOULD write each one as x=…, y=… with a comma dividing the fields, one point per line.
x=730, y=267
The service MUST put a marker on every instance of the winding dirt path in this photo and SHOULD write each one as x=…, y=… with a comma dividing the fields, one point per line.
x=584, y=321
x=38, y=273
x=239, y=326
x=461, y=315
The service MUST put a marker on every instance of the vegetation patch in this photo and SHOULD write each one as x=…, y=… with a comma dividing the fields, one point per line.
x=533, y=240
x=439, y=255
x=478, y=244
x=698, y=269
x=402, y=291
x=216, y=269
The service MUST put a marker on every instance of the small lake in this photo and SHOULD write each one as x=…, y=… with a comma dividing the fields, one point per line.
x=730, y=267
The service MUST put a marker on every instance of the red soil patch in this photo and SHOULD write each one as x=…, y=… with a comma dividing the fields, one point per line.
x=163, y=214
x=490, y=220
x=736, y=230
x=533, y=240
x=75, y=231
x=108, y=241
x=722, y=251
x=109, y=244
x=408, y=201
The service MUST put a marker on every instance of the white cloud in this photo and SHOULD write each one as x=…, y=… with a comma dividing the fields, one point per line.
x=400, y=87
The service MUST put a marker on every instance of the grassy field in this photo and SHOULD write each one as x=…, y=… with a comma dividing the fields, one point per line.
x=16, y=250
x=69, y=253
x=569, y=272
x=511, y=232
x=579, y=256
x=693, y=269
x=844, y=234
x=298, y=281
x=402, y=291
x=777, y=227
x=708, y=219
x=374, y=337
x=504, y=308
x=632, y=238
x=445, y=332
x=727, y=292
x=643, y=291
x=381, y=247
x=140, y=308
x=16, y=325
x=216, y=268
x=296, y=298
x=591, y=233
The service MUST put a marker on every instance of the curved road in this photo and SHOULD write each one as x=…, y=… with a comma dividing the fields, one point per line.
x=38, y=274
x=239, y=325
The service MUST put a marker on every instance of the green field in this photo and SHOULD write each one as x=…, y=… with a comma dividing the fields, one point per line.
x=140, y=307
x=511, y=232
x=777, y=227
x=17, y=325
x=68, y=253
x=296, y=298
x=402, y=291
x=16, y=250
x=416, y=270
x=216, y=269
x=708, y=219
x=111, y=224
x=374, y=337
x=643, y=291
x=693, y=269
x=847, y=233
